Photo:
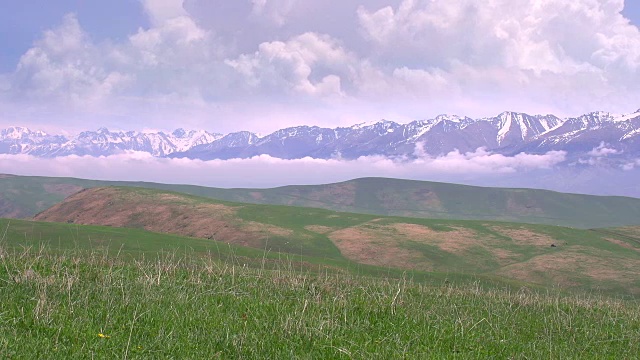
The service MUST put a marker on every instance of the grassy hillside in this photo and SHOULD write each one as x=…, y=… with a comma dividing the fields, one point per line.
x=86, y=305
x=23, y=197
x=538, y=254
x=135, y=244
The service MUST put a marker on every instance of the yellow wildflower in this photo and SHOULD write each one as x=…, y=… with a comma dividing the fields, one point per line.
x=103, y=336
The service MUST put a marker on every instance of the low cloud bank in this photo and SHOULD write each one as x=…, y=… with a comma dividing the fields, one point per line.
x=267, y=171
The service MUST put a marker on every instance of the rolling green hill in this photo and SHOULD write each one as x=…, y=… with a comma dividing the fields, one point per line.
x=68, y=304
x=23, y=197
x=537, y=254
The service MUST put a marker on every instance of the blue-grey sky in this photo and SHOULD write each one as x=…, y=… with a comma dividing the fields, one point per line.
x=227, y=65
x=23, y=22
x=632, y=11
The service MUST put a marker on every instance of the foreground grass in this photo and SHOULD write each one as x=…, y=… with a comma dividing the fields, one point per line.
x=81, y=305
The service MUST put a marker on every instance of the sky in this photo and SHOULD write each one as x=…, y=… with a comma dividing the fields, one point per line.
x=260, y=65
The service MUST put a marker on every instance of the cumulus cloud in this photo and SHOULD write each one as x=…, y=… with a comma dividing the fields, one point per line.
x=563, y=36
x=599, y=156
x=603, y=150
x=160, y=11
x=275, y=11
x=65, y=65
x=309, y=63
x=265, y=171
x=409, y=58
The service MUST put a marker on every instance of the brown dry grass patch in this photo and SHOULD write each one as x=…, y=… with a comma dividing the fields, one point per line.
x=382, y=244
x=385, y=245
x=5, y=176
x=368, y=247
x=158, y=212
x=457, y=240
x=565, y=268
x=524, y=236
x=622, y=243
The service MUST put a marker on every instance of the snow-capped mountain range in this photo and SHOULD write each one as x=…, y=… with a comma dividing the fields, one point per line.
x=508, y=133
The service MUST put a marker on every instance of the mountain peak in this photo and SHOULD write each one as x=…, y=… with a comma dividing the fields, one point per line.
x=179, y=132
x=449, y=117
x=19, y=132
x=507, y=133
x=510, y=113
x=371, y=124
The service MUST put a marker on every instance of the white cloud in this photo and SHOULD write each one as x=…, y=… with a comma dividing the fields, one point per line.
x=275, y=11
x=559, y=36
x=65, y=65
x=160, y=11
x=264, y=170
x=203, y=61
x=292, y=65
x=603, y=150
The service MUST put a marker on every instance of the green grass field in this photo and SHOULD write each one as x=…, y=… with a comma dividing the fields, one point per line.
x=25, y=196
x=574, y=259
x=82, y=304
x=130, y=245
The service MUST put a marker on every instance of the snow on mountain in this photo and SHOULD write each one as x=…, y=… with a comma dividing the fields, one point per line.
x=185, y=140
x=622, y=118
x=100, y=142
x=507, y=133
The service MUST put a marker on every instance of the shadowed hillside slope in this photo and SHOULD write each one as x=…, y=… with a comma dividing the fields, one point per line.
x=538, y=254
x=23, y=197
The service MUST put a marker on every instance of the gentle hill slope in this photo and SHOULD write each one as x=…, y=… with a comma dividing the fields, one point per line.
x=538, y=254
x=23, y=197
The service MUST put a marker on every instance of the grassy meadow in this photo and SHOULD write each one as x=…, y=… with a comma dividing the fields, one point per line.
x=138, y=273
x=83, y=304
x=545, y=255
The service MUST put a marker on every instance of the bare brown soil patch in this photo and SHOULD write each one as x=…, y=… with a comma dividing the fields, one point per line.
x=166, y=213
x=566, y=268
x=367, y=247
x=256, y=195
x=62, y=189
x=389, y=245
x=523, y=236
x=457, y=240
x=319, y=229
x=386, y=244
x=504, y=256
